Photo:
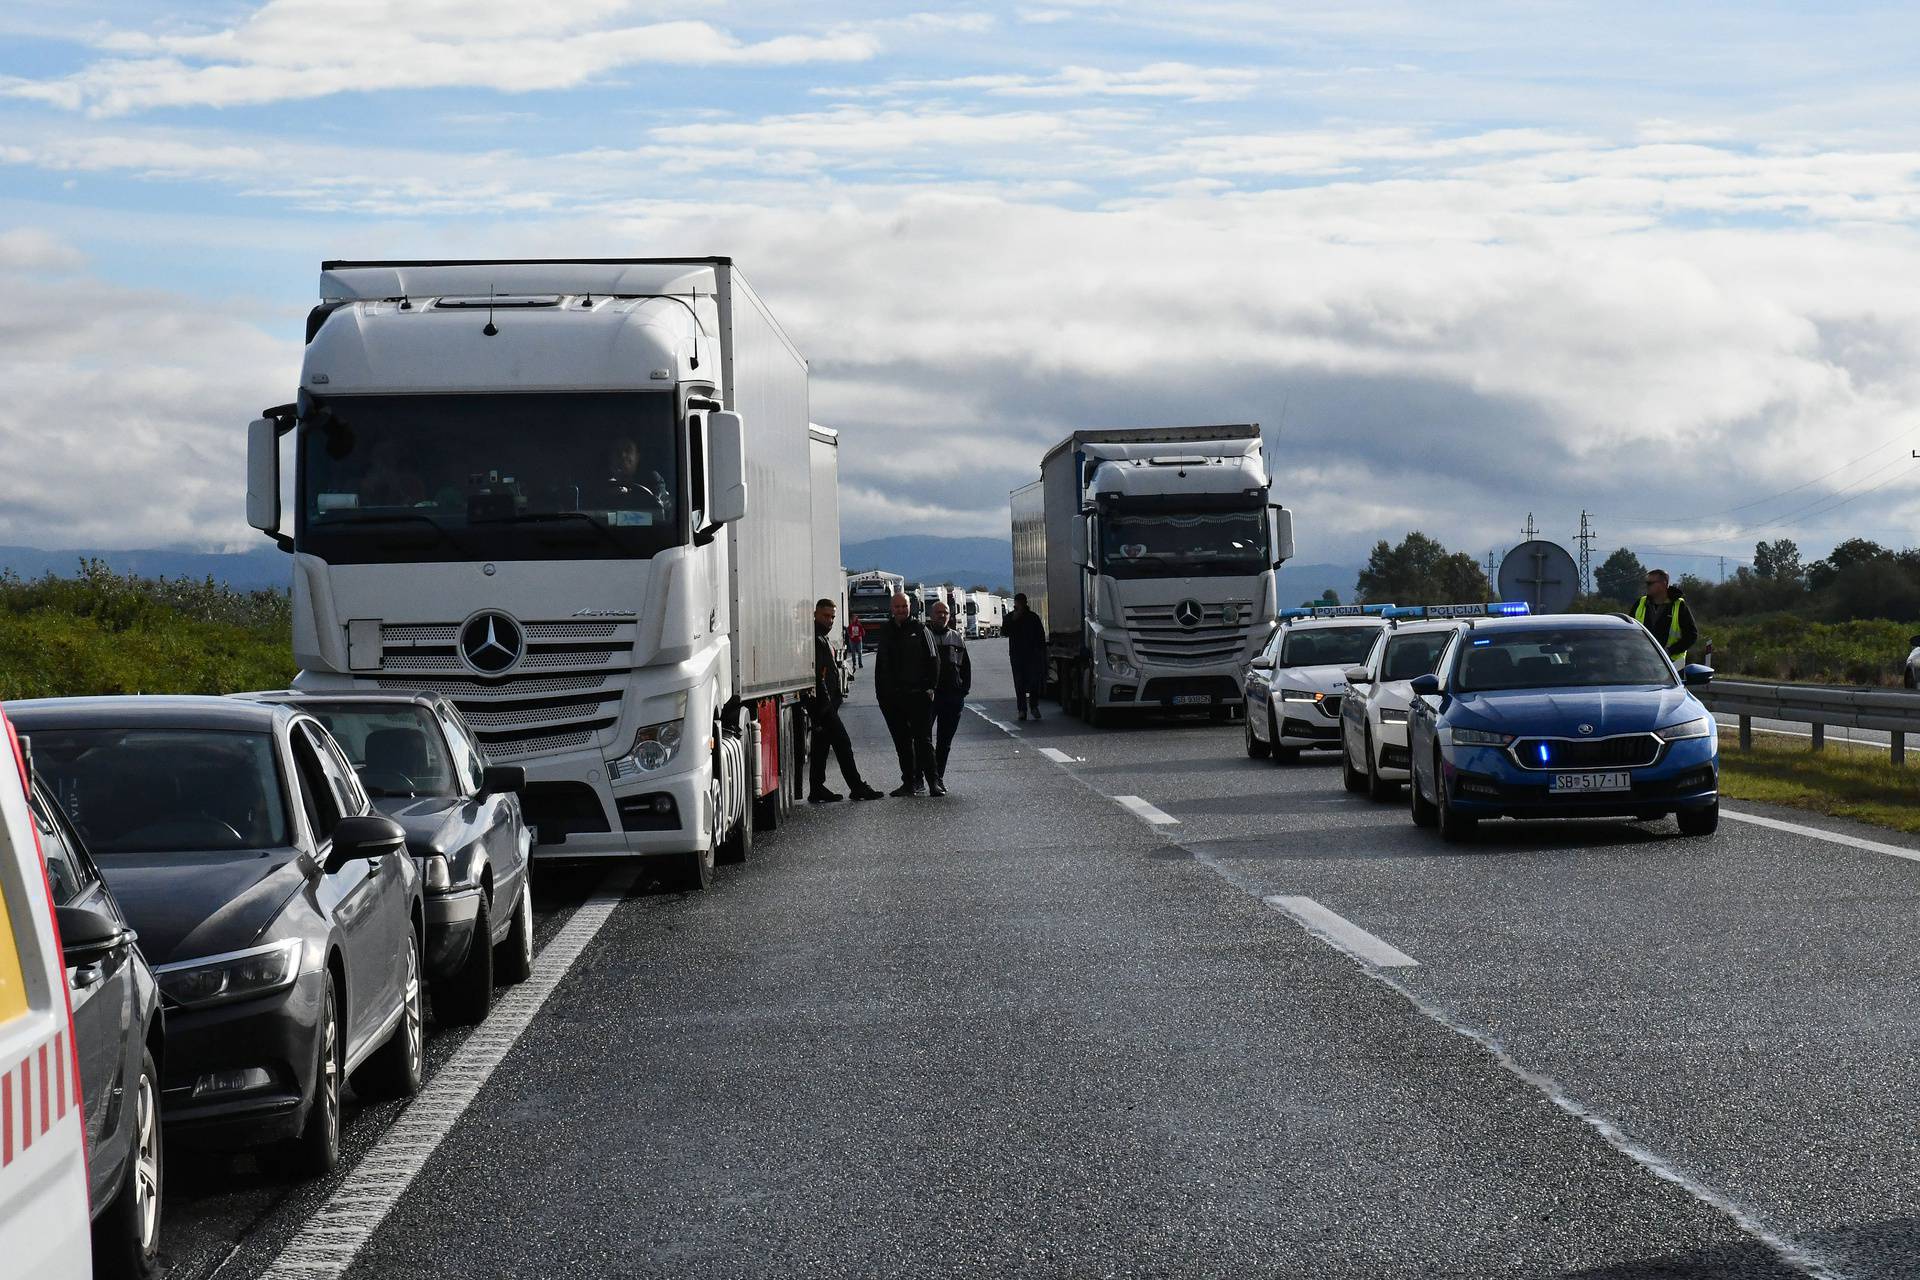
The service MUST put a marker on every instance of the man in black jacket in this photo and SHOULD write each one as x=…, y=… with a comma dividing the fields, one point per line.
x=904, y=673
x=951, y=685
x=824, y=709
x=1027, y=651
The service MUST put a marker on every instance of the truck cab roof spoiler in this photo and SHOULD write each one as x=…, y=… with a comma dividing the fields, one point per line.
x=344, y=280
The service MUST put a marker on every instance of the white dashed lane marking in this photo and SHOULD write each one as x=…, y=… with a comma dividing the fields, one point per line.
x=334, y=1236
x=1056, y=755
x=1336, y=930
x=1141, y=809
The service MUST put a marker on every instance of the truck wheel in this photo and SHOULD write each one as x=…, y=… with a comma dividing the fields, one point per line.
x=1090, y=709
x=1256, y=749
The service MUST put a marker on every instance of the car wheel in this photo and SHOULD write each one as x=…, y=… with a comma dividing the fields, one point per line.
x=317, y=1150
x=464, y=998
x=126, y=1238
x=1424, y=814
x=397, y=1067
x=1455, y=826
x=1256, y=749
x=1351, y=778
x=513, y=959
x=1702, y=820
x=1379, y=789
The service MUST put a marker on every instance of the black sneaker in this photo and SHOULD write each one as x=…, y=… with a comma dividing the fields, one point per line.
x=1023, y=715
x=936, y=788
x=1036, y=713
x=824, y=796
x=864, y=792
x=904, y=790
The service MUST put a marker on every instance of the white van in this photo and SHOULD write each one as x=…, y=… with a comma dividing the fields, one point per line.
x=44, y=1229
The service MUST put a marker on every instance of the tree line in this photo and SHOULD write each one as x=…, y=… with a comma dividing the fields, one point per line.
x=1858, y=579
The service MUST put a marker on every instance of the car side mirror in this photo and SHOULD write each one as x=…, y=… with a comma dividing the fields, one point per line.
x=1261, y=664
x=500, y=779
x=726, y=468
x=88, y=934
x=1694, y=674
x=1358, y=675
x=364, y=837
x=1426, y=686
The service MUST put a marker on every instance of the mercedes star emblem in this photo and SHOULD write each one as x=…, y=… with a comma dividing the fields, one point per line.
x=1586, y=728
x=1187, y=613
x=491, y=642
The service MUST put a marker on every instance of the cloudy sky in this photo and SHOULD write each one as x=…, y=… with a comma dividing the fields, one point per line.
x=1463, y=262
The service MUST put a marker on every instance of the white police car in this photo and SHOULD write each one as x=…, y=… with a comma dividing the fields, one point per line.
x=1295, y=686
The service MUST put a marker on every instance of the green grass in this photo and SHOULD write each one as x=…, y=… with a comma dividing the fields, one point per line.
x=1843, y=781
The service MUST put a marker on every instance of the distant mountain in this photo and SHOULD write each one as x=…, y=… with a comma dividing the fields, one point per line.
x=245, y=571
x=987, y=562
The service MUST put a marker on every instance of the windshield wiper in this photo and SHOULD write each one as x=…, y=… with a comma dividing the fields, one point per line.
x=391, y=517
x=544, y=517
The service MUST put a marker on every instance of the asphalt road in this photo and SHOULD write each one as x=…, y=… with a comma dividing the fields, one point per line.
x=1034, y=1029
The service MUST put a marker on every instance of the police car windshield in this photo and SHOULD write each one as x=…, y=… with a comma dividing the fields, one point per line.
x=1574, y=658
x=1409, y=657
x=1327, y=647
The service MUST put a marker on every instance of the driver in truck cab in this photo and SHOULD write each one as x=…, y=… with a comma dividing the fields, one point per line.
x=631, y=488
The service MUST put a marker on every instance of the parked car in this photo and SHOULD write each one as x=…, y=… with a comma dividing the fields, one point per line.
x=43, y=1159
x=282, y=915
x=424, y=768
x=119, y=1039
x=1373, y=715
x=1293, y=688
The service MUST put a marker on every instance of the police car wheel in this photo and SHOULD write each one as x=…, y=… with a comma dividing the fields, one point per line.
x=1256, y=749
x=1701, y=821
x=1455, y=826
x=1424, y=814
x=1379, y=789
x=1351, y=778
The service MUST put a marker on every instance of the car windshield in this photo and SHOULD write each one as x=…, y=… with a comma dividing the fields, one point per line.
x=1413, y=656
x=488, y=477
x=397, y=751
x=1574, y=657
x=1199, y=544
x=1327, y=647
x=165, y=790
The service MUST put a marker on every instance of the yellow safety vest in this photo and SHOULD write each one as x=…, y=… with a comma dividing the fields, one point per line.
x=1673, y=645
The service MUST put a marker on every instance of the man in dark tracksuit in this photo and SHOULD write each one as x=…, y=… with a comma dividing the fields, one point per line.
x=1027, y=651
x=824, y=710
x=904, y=672
x=950, y=687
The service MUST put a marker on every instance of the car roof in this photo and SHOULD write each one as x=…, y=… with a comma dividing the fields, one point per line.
x=149, y=711
x=296, y=697
x=1554, y=622
x=1421, y=625
x=1322, y=624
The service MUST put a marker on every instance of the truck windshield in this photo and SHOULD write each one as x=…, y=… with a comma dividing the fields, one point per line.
x=547, y=476
x=1214, y=544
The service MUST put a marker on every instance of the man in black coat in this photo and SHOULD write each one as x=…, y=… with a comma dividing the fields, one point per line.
x=1027, y=652
x=905, y=671
x=824, y=710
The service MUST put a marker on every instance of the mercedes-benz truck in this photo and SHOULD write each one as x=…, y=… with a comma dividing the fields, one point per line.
x=580, y=498
x=1149, y=554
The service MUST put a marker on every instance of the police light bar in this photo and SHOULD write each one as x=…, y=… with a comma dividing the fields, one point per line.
x=1497, y=609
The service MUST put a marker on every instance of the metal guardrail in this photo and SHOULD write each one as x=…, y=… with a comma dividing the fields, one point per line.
x=1893, y=711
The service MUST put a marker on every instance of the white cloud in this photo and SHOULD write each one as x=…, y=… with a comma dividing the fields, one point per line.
x=1170, y=80
x=294, y=49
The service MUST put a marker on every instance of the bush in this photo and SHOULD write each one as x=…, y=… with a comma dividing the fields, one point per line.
x=1788, y=647
x=105, y=633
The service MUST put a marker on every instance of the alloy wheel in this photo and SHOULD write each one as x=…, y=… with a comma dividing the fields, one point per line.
x=416, y=1036
x=146, y=1166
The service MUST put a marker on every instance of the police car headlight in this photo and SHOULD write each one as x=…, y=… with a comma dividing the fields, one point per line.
x=1697, y=728
x=1117, y=661
x=1301, y=695
x=1390, y=715
x=1480, y=738
x=654, y=748
x=254, y=972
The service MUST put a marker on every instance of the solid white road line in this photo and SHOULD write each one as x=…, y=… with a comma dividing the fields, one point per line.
x=1141, y=809
x=1001, y=726
x=1336, y=930
x=1056, y=755
x=334, y=1236
x=1832, y=837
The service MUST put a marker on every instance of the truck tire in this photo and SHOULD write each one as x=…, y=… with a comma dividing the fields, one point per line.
x=1090, y=708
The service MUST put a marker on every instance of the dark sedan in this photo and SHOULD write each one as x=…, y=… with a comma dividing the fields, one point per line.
x=119, y=1034
x=282, y=916
x=424, y=768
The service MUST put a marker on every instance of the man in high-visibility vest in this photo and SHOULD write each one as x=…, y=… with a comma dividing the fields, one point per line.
x=1664, y=613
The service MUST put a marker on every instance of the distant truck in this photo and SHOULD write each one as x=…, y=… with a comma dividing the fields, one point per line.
x=582, y=499
x=1149, y=555
x=870, y=599
x=984, y=613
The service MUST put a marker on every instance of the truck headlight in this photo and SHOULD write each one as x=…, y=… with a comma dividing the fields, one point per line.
x=1697, y=728
x=654, y=748
x=1117, y=661
x=236, y=976
x=1390, y=715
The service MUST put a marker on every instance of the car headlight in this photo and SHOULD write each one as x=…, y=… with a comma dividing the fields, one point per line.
x=654, y=748
x=1700, y=727
x=1480, y=738
x=1117, y=660
x=235, y=976
x=1393, y=715
x=1301, y=695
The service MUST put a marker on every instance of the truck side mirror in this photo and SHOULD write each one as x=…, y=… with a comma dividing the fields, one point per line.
x=726, y=468
x=263, y=479
x=1282, y=521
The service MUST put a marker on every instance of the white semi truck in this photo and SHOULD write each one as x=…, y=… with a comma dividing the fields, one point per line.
x=1149, y=555
x=582, y=499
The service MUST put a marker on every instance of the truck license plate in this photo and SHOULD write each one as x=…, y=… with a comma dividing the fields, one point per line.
x=1193, y=700
x=1564, y=783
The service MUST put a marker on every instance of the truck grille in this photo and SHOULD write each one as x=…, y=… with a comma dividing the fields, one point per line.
x=563, y=694
x=1157, y=638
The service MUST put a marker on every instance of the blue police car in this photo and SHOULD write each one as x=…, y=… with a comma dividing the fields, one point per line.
x=1566, y=716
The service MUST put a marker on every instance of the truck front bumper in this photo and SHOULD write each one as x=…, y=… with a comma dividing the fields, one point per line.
x=577, y=813
x=1169, y=688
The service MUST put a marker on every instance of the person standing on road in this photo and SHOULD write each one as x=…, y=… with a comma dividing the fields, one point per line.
x=1027, y=652
x=828, y=733
x=1664, y=613
x=950, y=688
x=904, y=671
x=857, y=642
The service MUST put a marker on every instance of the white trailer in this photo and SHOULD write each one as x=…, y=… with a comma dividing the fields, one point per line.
x=1149, y=555
x=581, y=498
